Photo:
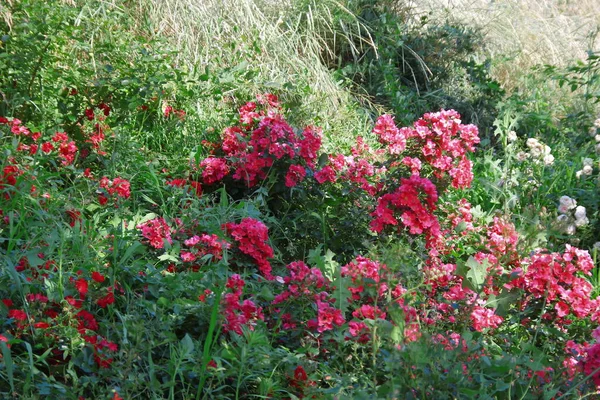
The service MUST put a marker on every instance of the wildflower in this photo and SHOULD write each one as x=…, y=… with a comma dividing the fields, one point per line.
x=215, y=169
x=522, y=156
x=389, y=134
x=566, y=204
x=592, y=363
x=156, y=231
x=310, y=144
x=119, y=186
x=483, y=318
x=579, y=212
x=18, y=315
x=97, y=277
x=107, y=299
x=296, y=173
x=327, y=174
x=511, y=136
x=328, y=316
x=252, y=236
x=82, y=287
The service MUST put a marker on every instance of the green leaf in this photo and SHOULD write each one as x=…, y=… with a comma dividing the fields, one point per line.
x=187, y=345
x=341, y=292
x=475, y=274
x=8, y=365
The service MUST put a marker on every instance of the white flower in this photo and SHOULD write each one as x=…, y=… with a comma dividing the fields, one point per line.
x=536, y=152
x=582, y=221
x=547, y=149
x=522, y=156
x=580, y=212
x=568, y=202
x=597, y=137
x=571, y=229
x=588, y=161
x=587, y=170
x=548, y=159
x=597, y=123
x=578, y=174
x=512, y=136
x=532, y=142
x=562, y=219
x=592, y=131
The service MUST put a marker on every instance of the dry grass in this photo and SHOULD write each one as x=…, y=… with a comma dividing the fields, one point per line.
x=286, y=41
x=524, y=33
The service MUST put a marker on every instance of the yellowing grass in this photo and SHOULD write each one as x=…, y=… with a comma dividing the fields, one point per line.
x=286, y=41
x=526, y=32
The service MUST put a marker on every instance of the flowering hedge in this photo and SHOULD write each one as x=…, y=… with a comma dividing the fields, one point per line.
x=312, y=323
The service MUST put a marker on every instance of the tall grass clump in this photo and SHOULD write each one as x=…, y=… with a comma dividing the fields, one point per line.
x=522, y=34
x=274, y=46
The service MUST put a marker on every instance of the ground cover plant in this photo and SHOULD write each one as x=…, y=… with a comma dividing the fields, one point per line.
x=169, y=228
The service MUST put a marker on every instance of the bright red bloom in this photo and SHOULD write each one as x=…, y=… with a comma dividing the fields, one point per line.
x=47, y=147
x=214, y=169
x=109, y=298
x=98, y=277
x=41, y=325
x=295, y=174
x=483, y=318
x=82, y=287
x=416, y=216
x=389, y=134
x=300, y=374
x=74, y=217
x=252, y=237
x=19, y=315
x=310, y=144
x=327, y=174
x=156, y=231
x=328, y=316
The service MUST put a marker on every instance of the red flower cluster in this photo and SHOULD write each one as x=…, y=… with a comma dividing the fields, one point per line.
x=200, y=246
x=239, y=313
x=483, y=318
x=157, y=231
x=443, y=140
x=555, y=277
x=119, y=186
x=303, y=281
x=67, y=150
x=262, y=139
x=295, y=174
x=169, y=110
x=415, y=215
x=252, y=237
x=183, y=183
x=47, y=318
x=214, y=170
x=327, y=316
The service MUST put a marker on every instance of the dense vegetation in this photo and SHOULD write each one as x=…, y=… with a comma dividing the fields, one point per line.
x=298, y=199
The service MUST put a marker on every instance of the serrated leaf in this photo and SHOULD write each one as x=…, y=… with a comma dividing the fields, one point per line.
x=476, y=273
x=341, y=293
